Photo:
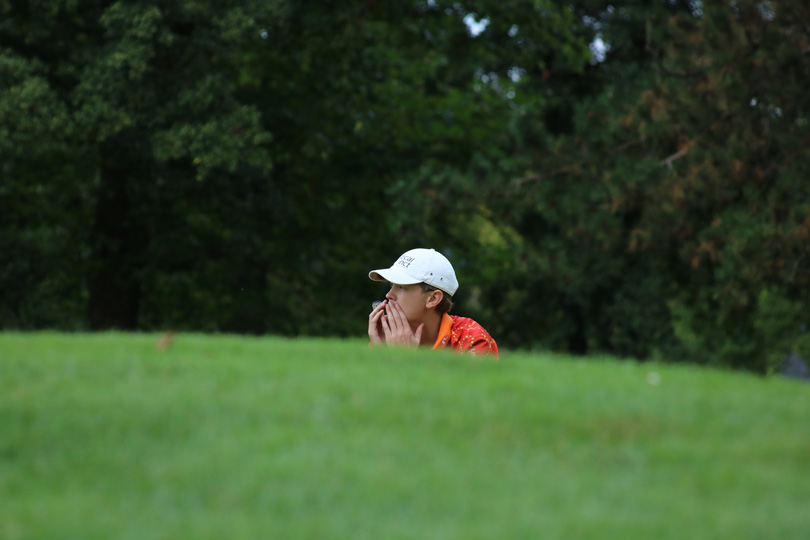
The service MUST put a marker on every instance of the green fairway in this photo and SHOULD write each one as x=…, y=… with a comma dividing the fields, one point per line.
x=106, y=437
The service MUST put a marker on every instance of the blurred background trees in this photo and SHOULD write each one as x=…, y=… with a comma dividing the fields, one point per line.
x=617, y=177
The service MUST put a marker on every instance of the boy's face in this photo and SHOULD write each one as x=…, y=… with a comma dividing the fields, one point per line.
x=411, y=298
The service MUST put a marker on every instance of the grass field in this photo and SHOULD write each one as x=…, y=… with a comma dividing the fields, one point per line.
x=105, y=437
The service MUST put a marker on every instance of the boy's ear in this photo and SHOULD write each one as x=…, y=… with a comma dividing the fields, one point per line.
x=434, y=299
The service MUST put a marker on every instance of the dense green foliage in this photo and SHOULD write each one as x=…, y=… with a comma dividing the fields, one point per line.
x=226, y=437
x=667, y=214
x=240, y=167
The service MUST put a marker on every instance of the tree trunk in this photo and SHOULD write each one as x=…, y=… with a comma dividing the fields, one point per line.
x=119, y=234
x=578, y=342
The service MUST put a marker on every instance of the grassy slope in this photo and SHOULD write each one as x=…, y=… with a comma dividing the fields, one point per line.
x=103, y=436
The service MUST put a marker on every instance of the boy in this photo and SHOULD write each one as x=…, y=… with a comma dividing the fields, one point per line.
x=415, y=310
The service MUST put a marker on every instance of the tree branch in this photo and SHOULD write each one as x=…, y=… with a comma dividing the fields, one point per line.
x=569, y=168
x=677, y=155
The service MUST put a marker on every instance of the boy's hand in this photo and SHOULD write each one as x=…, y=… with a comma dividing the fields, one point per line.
x=375, y=329
x=397, y=330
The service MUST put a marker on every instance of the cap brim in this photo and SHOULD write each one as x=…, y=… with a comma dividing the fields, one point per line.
x=392, y=275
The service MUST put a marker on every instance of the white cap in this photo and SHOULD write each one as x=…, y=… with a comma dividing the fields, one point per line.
x=420, y=266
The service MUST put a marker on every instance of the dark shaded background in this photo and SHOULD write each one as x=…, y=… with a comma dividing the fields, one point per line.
x=613, y=177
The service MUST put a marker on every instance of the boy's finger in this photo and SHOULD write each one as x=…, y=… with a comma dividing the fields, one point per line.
x=400, y=318
x=386, y=326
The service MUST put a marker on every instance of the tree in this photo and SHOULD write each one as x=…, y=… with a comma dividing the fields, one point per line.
x=112, y=93
x=190, y=214
x=666, y=214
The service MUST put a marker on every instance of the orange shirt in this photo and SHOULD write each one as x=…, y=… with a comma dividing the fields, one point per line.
x=464, y=335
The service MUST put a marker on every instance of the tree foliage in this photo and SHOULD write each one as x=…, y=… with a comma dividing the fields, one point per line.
x=668, y=216
x=220, y=167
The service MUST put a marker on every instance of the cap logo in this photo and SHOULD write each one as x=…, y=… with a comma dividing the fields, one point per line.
x=405, y=261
